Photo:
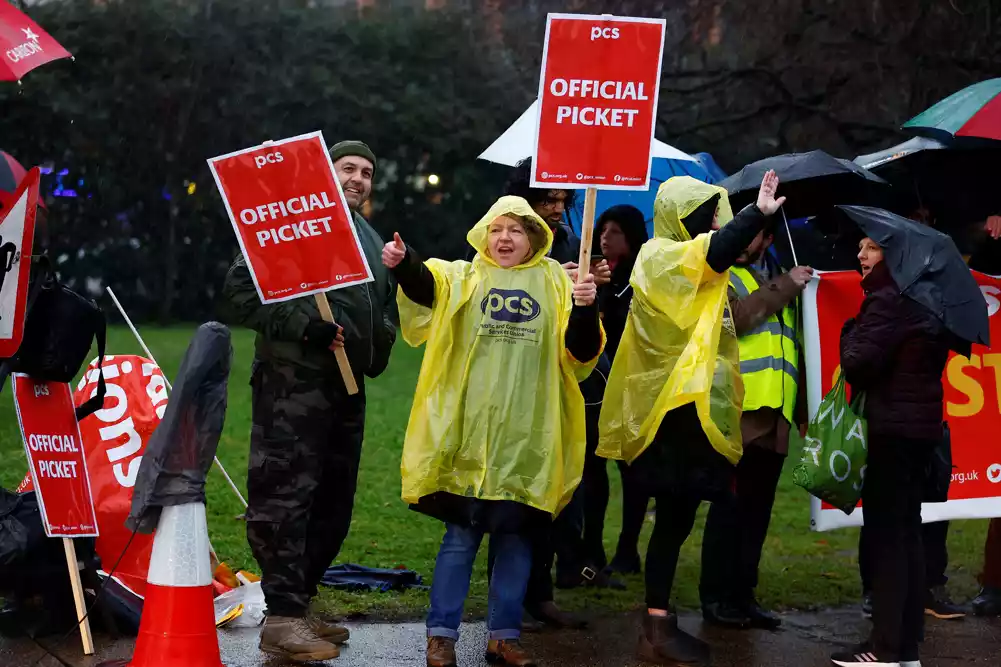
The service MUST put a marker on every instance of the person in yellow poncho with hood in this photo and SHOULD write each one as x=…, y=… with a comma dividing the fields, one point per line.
x=496, y=438
x=673, y=400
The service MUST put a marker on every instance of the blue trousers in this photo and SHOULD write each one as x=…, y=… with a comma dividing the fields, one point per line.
x=453, y=570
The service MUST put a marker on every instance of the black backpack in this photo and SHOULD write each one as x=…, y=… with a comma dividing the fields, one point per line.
x=58, y=330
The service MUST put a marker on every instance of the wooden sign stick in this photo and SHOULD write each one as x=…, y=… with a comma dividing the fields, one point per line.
x=586, y=235
x=81, y=608
x=342, y=358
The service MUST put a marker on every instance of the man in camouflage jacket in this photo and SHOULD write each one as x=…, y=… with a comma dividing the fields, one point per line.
x=305, y=443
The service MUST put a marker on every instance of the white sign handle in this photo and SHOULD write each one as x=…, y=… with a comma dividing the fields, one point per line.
x=81, y=609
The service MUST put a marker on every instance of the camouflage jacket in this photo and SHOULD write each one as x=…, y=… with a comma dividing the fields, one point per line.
x=367, y=312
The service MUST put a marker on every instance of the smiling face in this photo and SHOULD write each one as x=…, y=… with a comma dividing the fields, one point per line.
x=870, y=254
x=508, y=242
x=355, y=174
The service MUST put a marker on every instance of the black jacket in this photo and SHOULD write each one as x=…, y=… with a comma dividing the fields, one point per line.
x=895, y=350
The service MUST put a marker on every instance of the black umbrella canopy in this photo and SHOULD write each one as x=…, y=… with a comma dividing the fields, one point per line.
x=955, y=183
x=927, y=267
x=812, y=182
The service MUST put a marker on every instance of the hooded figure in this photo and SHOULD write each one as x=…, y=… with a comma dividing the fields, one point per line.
x=671, y=352
x=495, y=442
x=673, y=402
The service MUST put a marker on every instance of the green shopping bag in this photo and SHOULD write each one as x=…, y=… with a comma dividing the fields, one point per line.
x=832, y=464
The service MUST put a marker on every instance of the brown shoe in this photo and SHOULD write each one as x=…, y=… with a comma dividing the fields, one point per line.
x=508, y=652
x=441, y=652
x=333, y=633
x=292, y=639
x=554, y=617
x=662, y=642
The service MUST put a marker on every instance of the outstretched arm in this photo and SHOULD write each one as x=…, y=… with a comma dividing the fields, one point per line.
x=415, y=279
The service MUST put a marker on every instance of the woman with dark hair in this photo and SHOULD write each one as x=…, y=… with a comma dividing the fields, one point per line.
x=895, y=350
x=620, y=231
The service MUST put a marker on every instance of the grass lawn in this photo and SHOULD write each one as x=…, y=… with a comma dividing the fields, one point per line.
x=801, y=569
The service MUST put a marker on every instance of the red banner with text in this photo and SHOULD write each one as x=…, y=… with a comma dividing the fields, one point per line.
x=972, y=399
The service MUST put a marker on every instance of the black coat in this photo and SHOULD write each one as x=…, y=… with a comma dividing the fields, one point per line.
x=895, y=350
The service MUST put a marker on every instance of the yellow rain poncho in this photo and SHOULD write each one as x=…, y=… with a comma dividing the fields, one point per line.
x=679, y=345
x=497, y=411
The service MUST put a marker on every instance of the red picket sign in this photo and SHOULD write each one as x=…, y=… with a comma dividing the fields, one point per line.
x=291, y=219
x=598, y=102
x=55, y=457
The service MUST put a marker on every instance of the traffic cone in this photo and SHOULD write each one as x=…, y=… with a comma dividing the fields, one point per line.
x=177, y=628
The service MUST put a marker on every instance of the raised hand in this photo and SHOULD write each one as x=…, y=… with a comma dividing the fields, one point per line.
x=767, y=203
x=394, y=252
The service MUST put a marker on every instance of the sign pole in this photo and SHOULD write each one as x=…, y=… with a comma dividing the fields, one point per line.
x=586, y=234
x=342, y=358
x=81, y=610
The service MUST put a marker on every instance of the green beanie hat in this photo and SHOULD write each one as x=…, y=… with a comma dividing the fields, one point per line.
x=357, y=148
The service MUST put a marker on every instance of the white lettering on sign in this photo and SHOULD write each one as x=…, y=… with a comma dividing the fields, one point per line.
x=295, y=231
x=277, y=210
x=270, y=158
x=52, y=443
x=57, y=469
x=122, y=455
x=597, y=32
x=593, y=89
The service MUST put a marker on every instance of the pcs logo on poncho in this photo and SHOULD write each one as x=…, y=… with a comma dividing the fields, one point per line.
x=510, y=306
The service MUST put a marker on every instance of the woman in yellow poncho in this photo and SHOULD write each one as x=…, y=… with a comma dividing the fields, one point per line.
x=672, y=403
x=496, y=438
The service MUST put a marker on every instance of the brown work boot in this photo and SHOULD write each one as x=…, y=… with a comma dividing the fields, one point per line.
x=292, y=639
x=662, y=642
x=508, y=652
x=441, y=652
x=333, y=633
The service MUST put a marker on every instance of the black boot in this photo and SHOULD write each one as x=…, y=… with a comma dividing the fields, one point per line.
x=988, y=603
x=662, y=642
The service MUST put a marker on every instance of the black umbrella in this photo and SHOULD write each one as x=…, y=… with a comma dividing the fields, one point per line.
x=812, y=182
x=956, y=185
x=927, y=267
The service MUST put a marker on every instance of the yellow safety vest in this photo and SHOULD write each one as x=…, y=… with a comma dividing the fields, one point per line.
x=769, y=355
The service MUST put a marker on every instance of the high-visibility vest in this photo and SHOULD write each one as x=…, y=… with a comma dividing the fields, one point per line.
x=769, y=355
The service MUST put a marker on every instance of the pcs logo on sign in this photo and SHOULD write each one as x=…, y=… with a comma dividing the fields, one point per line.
x=510, y=306
x=597, y=32
x=270, y=158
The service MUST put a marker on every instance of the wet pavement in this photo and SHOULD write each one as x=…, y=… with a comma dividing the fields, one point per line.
x=805, y=640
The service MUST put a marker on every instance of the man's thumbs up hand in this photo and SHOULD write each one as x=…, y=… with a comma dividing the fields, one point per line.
x=394, y=252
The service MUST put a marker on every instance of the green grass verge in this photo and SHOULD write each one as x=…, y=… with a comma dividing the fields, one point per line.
x=800, y=569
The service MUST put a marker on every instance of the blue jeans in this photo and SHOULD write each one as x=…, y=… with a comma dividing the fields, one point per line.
x=452, y=573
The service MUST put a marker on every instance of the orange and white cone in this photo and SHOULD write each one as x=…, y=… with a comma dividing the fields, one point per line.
x=178, y=620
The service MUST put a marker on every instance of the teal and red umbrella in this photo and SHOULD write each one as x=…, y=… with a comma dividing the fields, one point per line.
x=972, y=113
